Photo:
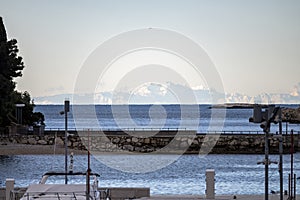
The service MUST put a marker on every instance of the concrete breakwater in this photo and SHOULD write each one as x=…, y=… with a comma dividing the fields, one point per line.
x=159, y=142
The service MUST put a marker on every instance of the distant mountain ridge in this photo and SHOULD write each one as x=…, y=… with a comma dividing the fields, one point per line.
x=152, y=93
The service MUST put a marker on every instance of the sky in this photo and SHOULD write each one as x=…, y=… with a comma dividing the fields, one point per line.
x=254, y=45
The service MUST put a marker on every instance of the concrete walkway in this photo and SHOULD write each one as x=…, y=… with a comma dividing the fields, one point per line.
x=225, y=197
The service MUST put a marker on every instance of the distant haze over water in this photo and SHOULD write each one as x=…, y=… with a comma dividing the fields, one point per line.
x=154, y=117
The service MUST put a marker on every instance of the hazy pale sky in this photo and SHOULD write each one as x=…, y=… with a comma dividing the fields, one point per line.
x=254, y=44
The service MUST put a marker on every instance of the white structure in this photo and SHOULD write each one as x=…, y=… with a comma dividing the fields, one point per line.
x=66, y=191
x=9, y=186
x=210, y=184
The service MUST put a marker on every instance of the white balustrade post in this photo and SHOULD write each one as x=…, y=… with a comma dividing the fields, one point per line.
x=210, y=184
x=10, y=184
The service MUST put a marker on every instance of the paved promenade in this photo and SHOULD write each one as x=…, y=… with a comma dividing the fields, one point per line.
x=225, y=197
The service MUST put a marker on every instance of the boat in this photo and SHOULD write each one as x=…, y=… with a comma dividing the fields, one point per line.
x=86, y=191
x=75, y=189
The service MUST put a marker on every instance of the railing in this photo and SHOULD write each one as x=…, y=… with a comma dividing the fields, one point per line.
x=164, y=130
x=233, y=132
x=18, y=194
x=50, y=131
x=119, y=129
x=56, y=195
x=245, y=132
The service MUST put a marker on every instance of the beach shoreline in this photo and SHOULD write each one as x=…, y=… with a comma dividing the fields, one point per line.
x=27, y=149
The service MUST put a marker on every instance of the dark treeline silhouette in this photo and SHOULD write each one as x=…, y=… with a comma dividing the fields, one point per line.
x=11, y=66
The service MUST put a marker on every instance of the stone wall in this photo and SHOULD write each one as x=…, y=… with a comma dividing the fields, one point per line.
x=167, y=142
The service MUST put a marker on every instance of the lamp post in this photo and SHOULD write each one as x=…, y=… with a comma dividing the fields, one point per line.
x=265, y=118
x=66, y=110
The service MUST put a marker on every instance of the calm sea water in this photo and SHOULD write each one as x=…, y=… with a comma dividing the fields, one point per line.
x=192, y=117
x=235, y=174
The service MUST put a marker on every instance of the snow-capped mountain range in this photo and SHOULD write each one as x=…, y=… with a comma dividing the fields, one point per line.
x=152, y=93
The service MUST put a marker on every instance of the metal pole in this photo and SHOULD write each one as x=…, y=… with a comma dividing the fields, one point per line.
x=88, y=170
x=66, y=141
x=266, y=164
x=280, y=155
x=290, y=191
x=294, y=186
x=292, y=164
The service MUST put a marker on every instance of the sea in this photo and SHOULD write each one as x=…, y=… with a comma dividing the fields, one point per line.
x=185, y=174
x=201, y=118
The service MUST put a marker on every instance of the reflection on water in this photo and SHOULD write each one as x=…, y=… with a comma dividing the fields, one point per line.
x=235, y=174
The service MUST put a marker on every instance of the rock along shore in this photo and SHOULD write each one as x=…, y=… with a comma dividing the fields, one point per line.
x=143, y=142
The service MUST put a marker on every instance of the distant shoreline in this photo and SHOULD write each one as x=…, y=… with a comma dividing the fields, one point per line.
x=233, y=106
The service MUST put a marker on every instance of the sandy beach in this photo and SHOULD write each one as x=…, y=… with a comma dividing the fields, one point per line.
x=27, y=149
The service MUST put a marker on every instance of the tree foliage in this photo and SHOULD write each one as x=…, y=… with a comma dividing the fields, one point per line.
x=11, y=66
